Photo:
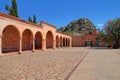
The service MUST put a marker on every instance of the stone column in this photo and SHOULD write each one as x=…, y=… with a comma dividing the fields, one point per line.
x=65, y=43
x=59, y=43
x=33, y=50
x=43, y=44
x=70, y=42
x=62, y=44
x=20, y=48
x=54, y=44
x=0, y=45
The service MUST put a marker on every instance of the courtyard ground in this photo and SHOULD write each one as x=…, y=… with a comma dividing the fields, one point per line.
x=49, y=65
x=99, y=64
x=62, y=64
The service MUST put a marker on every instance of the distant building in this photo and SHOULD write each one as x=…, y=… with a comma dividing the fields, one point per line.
x=86, y=40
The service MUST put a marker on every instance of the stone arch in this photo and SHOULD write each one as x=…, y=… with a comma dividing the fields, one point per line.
x=10, y=39
x=57, y=42
x=49, y=40
x=27, y=40
x=38, y=40
x=60, y=41
x=64, y=42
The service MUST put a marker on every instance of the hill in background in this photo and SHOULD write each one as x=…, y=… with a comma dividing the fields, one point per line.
x=78, y=27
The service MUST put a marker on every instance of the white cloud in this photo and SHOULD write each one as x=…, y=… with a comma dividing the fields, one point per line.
x=100, y=25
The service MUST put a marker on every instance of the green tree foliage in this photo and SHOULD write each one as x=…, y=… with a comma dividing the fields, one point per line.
x=101, y=34
x=103, y=37
x=13, y=9
x=112, y=29
x=29, y=19
x=14, y=6
x=32, y=20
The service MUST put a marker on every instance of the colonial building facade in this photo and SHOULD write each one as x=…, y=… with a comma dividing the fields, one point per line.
x=18, y=35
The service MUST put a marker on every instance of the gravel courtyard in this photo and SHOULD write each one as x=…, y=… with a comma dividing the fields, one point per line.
x=49, y=65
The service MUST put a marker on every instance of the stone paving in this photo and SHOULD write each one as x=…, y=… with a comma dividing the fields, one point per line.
x=49, y=65
x=99, y=64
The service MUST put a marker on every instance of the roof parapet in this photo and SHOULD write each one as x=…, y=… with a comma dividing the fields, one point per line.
x=19, y=20
x=43, y=22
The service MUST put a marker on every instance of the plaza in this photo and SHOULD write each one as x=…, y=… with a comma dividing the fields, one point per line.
x=31, y=51
x=49, y=65
x=73, y=63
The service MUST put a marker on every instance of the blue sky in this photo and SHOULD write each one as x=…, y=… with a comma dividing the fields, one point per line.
x=62, y=12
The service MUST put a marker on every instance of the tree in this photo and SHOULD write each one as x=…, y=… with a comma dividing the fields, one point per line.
x=101, y=35
x=112, y=29
x=32, y=20
x=14, y=6
x=13, y=9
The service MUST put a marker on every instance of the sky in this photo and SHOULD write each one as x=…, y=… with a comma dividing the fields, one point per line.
x=62, y=12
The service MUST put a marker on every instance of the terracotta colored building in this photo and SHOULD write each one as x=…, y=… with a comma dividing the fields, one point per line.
x=86, y=40
x=78, y=41
x=18, y=35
